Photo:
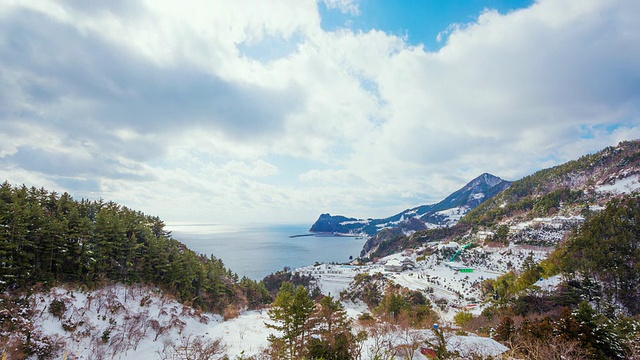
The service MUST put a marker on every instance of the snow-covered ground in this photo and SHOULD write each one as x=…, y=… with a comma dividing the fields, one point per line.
x=122, y=323
x=624, y=185
x=140, y=323
x=437, y=277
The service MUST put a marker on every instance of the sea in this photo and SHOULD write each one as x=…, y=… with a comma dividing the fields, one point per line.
x=256, y=251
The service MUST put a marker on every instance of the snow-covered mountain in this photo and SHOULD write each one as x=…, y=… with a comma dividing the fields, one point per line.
x=445, y=213
x=540, y=209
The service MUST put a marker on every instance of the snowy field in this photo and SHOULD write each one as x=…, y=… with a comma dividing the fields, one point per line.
x=129, y=323
x=140, y=323
x=438, y=279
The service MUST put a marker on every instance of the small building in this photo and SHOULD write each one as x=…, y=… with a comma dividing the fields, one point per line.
x=398, y=265
x=451, y=245
x=393, y=265
x=408, y=263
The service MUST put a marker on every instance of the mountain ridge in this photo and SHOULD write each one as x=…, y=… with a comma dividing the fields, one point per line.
x=591, y=179
x=444, y=213
x=540, y=209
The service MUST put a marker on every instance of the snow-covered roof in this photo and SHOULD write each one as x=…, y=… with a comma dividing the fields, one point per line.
x=452, y=245
x=393, y=262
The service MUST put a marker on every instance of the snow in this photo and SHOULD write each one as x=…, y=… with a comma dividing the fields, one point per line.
x=128, y=312
x=332, y=279
x=555, y=221
x=621, y=186
x=355, y=309
x=121, y=322
x=246, y=334
x=127, y=315
x=354, y=222
x=549, y=284
x=475, y=344
x=453, y=215
x=436, y=277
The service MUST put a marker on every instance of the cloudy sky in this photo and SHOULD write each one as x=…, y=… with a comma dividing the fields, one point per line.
x=276, y=111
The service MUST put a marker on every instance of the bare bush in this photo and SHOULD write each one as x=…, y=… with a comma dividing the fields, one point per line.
x=192, y=347
x=553, y=349
x=158, y=328
x=135, y=329
x=177, y=323
x=231, y=312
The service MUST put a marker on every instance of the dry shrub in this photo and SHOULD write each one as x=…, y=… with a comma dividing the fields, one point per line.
x=57, y=308
x=549, y=349
x=231, y=312
x=193, y=347
x=177, y=323
x=157, y=327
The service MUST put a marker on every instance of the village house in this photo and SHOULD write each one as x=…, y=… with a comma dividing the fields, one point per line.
x=397, y=265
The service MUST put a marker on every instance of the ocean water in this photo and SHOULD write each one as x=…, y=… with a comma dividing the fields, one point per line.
x=257, y=251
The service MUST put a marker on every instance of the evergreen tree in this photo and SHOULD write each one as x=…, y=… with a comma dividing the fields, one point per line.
x=291, y=311
x=334, y=339
x=607, y=249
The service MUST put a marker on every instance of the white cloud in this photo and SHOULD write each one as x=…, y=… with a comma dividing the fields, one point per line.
x=351, y=7
x=172, y=109
x=511, y=86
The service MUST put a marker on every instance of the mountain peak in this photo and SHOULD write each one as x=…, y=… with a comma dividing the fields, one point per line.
x=445, y=213
x=485, y=178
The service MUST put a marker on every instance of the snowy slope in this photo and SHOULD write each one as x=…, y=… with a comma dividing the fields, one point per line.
x=119, y=322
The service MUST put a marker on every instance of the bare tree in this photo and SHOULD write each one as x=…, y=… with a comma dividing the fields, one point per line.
x=383, y=336
x=409, y=341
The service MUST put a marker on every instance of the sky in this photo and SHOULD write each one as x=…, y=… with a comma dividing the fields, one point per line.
x=247, y=111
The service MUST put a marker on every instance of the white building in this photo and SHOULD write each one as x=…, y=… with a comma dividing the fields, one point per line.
x=393, y=265
x=398, y=265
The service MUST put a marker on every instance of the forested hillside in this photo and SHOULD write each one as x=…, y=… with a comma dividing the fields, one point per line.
x=48, y=239
x=570, y=189
x=571, y=183
x=605, y=252
x=551, y=272
x=593, y=313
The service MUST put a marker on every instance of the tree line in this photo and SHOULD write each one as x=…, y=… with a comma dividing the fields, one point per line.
x=49, y=238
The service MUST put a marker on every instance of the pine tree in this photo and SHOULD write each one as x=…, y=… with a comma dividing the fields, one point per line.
x=607, y=249
x=291, y=311
x=332, y=328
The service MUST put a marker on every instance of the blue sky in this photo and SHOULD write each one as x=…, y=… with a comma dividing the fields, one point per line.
x=243, y=111
x=421, y=21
